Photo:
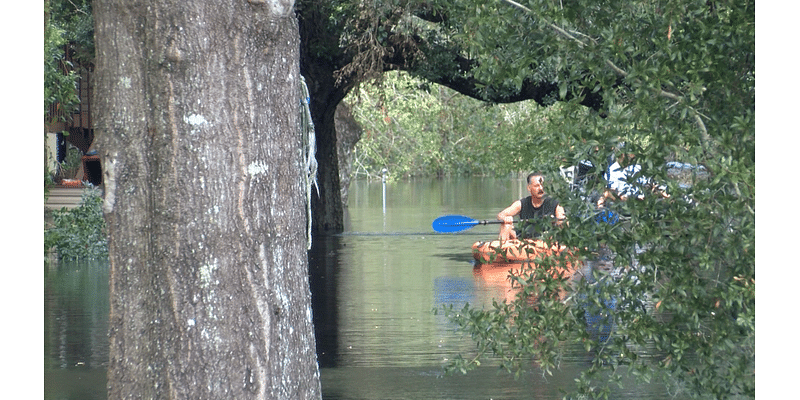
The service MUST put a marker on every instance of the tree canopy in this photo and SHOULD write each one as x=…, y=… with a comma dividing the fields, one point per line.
x=677, y=83
x=672, y=83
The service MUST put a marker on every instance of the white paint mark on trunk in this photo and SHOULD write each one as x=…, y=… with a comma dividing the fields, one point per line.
x=110, y=183
x=195, y=120
x=257, y=168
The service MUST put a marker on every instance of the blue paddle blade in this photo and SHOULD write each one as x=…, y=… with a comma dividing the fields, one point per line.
x=606, y=216
x=453, y=223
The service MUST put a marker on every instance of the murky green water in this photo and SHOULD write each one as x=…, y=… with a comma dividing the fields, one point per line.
x=373, y=291
x=76, y=330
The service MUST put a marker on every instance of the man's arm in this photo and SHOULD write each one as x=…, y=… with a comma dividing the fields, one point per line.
x=507, y=216
x=561, y=215
x=608, y=194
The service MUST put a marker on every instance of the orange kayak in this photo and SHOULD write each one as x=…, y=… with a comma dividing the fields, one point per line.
x=517, y=251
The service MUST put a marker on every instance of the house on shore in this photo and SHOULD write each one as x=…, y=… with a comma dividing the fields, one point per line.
x=75, y=128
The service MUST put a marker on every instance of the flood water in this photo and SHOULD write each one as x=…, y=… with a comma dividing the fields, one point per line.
x=374, y=288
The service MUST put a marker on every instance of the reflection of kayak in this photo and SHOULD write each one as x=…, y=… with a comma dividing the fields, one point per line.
x=496, y=280
x=517, y=251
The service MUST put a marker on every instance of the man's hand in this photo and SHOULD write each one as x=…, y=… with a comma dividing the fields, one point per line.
x=507, y=231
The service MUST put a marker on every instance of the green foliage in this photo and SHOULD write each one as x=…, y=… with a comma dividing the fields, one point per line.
x=59, y=87
x=677, y=79
x=68, y=27
x=534, y=326
x=79, y=233
x=413, y=128
x=72, y=162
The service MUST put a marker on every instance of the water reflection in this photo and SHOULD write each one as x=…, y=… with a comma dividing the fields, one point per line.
x=373, y=289
x=323, y=260
x=75, y=330
x=495, y=280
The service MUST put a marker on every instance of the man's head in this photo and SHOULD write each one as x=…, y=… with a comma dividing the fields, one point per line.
x=625, y=158
x=535, y=185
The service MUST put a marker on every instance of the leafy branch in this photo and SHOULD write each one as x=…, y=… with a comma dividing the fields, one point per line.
x=696, y=115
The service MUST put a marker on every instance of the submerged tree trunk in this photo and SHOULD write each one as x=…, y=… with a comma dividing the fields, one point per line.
x=326, y=94
x=198, y=125
x=326, y=202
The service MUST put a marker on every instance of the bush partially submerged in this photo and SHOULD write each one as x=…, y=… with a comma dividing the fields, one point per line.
x=79, y=233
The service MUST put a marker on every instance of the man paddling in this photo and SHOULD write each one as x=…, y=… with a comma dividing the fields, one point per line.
x=537, y=206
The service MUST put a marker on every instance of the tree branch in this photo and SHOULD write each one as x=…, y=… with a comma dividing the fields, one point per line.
x=619, y=71
x=409, y=52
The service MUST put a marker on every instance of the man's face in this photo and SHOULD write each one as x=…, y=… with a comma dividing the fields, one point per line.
x=535, y=187
x=625, y=159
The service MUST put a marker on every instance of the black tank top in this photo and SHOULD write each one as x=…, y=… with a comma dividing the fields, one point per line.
x=540, y=216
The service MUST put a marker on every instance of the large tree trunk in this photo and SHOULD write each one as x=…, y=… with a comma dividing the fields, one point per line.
x=198, y=124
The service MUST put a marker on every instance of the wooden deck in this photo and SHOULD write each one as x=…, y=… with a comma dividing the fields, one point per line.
x=69, y=197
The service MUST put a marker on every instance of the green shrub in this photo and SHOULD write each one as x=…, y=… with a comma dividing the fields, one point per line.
x=79, y=233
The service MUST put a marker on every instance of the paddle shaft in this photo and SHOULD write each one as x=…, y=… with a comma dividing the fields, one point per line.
x=487, y=222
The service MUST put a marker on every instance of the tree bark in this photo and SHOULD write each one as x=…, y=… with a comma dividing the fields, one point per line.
x=197, y=111
x=326, y=94
x=326, y=203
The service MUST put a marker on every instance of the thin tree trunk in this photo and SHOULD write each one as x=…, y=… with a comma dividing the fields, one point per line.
x=326, y=202
x=348, y=133
x=197, y=107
